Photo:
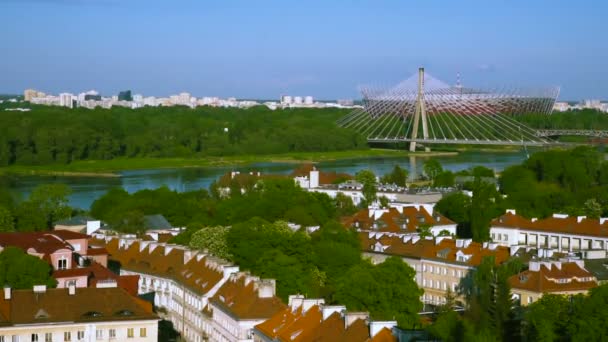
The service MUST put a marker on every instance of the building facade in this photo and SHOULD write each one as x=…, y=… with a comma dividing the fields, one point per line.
x=89, y=314
x=560, y=232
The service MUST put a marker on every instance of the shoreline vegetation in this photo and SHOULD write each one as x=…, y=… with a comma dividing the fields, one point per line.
x=109, y=168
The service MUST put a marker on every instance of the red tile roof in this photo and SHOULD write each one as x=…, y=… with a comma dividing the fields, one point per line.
x=324, y=177
x=446, y=250
x=297, y=325
x=97, y=251
x=58, y=306
x=567, y=277
x=394, y=221
x=240, y=298
x=566, y=225
x=96, y=273
x=40, y=242
x=198, y=274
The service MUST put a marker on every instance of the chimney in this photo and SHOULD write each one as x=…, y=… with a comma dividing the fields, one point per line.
x=295, y=301
x=534, y=266
x=72, y=289
x=39, y=288
x=309, y=303
x=351, y=317
x=7, y=293
x=329, y=310
x=375, y=327
x=267, y=288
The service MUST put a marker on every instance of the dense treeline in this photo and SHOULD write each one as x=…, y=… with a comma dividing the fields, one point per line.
x=48, y=134
x=575, y=119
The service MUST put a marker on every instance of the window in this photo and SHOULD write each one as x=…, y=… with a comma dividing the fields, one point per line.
x=130, y=333
x=67, y=336
x=48, y=337
x=71, y=282
x=530, y=300
x=142, y=332
x=81, y=335
x=62, y=264
x=99, y=334
x=112, y=333
x=34, y=337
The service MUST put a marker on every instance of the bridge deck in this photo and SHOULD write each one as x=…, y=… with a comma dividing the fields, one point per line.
x=466, y=142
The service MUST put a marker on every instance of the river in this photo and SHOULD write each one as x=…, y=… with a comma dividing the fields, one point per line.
x=85, y=190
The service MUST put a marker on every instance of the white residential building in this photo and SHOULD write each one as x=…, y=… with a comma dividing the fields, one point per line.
x=560, y=232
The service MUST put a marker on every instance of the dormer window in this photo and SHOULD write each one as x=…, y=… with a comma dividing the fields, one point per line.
x=62, y=264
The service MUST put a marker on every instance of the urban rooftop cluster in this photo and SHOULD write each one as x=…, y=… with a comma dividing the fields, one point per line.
x=585, y=104
x=92, y=99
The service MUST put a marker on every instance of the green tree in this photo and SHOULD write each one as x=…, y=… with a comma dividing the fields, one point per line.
x=132, y=222
x=444, y=179
x=344, y=205
x=397, y=176
x=387, y=290
x=547, y=319
x=22, y=271
x=424, y=230
x=592, y=208
x=368, y=179
x=432, y=168
x=50, y=201
x=212, y=239
x=7, y=221
x=484, y=207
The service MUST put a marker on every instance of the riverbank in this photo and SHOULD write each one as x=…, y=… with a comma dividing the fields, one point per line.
x=109, y=168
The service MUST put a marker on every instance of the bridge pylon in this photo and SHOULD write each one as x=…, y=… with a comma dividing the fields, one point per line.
x=420, y=113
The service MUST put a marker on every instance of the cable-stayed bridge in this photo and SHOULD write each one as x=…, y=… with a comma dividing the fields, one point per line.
x=425, y=110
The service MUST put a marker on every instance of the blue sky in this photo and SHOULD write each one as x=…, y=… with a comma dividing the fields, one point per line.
x=261, y=49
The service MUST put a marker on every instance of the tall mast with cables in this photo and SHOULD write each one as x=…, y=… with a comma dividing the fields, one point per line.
x=420, y=113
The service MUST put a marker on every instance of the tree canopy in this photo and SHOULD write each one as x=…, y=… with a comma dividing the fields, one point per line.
x=22, y=271
x=59, y=135
x=387, y=290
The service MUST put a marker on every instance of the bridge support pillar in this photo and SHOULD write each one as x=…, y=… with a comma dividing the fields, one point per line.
x=420, y=114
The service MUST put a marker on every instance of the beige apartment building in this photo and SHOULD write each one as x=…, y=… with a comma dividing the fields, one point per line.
x=440, y=262
x=75, y=314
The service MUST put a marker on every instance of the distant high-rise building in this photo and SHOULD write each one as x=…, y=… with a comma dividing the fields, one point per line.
x=297, y=100
x=66, y=100
x=30, y=94
x=308, y=100
x=184, y=98
x=286, y=99
x=88, y=97
x=125, y=96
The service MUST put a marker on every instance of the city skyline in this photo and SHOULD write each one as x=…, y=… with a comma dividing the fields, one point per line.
x=261, y=51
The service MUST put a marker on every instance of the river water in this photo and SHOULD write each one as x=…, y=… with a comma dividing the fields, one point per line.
x=86, y=189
